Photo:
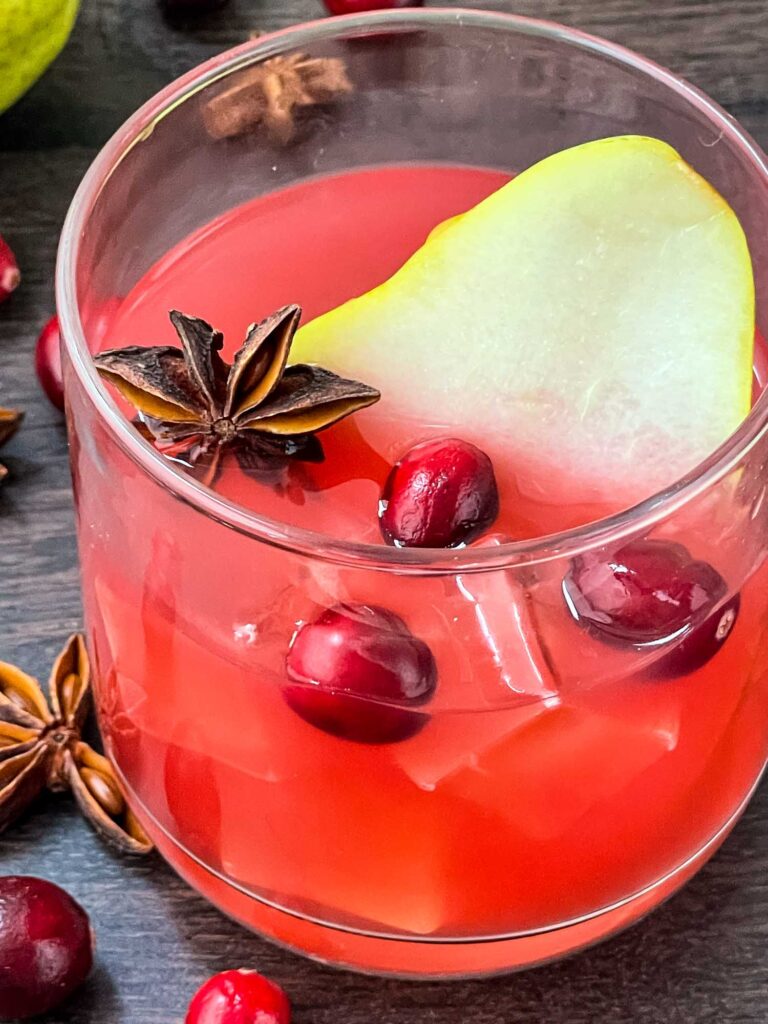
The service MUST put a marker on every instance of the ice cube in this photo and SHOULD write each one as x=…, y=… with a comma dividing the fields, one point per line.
x=493, y=616
x=349, y=836
x=453, y=742
x=566, y=764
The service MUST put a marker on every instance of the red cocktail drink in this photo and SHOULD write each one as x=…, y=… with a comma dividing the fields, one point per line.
x=567, y=763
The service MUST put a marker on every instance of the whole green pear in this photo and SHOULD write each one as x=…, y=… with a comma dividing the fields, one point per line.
x=32, y=34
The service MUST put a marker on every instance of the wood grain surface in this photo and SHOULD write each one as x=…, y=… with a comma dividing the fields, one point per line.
x=703, y=957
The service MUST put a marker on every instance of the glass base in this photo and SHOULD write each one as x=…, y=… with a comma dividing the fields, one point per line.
x=424, y=959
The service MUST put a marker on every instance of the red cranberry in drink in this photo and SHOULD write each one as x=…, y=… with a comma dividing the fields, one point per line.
x=359, y=673
x=48, y=363
x=701, y=644
x=440, y=494
x=9, y=271
x=644, y=591
x=356, y=6
x=197, y=817
x=239, y=997
x=649, y=591
x=46, y=946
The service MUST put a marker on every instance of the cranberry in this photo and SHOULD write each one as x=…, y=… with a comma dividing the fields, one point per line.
x=357, y=6
x=193, y=799
x=701, y=644
x=9, y=271
x=239, y=997
x=46, y=946
x=440, y=494
x=361, y=673
x=650, y=591
x=48, y=363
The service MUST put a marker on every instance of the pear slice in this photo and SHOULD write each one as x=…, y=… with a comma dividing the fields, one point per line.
x=593, y=321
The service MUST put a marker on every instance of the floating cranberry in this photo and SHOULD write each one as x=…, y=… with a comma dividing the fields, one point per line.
x=46, y=946
x=357, y=6
x=440, y=494
x=649, y=591
x=701, y=644
x=645, y=591
x=48, y=363
x=360, y=673
x=239, y=997
x=9, y=271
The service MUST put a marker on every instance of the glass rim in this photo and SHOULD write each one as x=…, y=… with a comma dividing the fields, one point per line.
x=568, y=543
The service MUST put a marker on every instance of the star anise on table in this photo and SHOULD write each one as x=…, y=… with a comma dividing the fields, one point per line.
x=41, y=748
x=10, y=421
x=272, y=93
x=194, y=403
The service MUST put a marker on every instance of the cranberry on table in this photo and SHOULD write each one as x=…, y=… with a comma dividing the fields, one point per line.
x=649, y=591
x=9, y=271
x=360, y=674
x=239, y=997
x=46, y=946
x=48, y=363
x=440, y=494
x=357, y=6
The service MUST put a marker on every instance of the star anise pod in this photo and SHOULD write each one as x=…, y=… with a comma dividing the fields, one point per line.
x=271, y=94
x=194, y=403
x=10, y=421
x=40, y=747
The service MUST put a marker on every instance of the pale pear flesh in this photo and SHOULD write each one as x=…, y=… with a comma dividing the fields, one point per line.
x=593, y=321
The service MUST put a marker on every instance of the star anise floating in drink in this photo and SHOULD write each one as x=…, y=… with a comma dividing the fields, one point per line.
x=194, y=404
x=272, y=94
x=10, y=421
x=41, y=748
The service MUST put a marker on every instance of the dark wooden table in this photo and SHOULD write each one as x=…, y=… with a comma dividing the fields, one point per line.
x=703, y=957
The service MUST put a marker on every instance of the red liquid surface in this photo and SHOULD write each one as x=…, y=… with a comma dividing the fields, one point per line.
x=553, y=780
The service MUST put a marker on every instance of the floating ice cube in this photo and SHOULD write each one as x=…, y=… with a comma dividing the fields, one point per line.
x=495, y=618
x=566, y=764
x=454, y=742
x=349, y=835
x=493, y=675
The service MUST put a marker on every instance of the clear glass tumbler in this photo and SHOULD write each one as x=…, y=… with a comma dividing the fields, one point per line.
x=563, y=785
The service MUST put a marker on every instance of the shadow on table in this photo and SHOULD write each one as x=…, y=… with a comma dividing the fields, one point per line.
x=98, y=1000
